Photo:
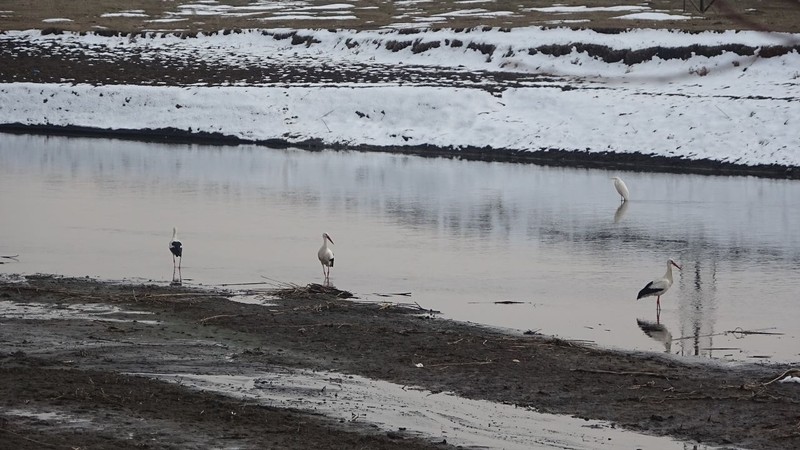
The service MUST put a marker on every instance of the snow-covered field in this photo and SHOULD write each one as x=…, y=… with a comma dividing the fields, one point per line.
x=729, y=107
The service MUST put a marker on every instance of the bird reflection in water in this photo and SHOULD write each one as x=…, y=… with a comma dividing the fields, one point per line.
x=656, y=331
x=620, y=213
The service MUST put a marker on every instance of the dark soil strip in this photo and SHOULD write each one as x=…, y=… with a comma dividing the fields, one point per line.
x=635, y=161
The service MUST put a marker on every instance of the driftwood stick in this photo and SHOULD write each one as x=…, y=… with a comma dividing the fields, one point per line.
x=182, y=294
x=280, y=283
x=245, y=284
x=781, y=376
x=392, y=294
x=29, y=439
x=614, y=372
x=218, y=316
x=471, y=363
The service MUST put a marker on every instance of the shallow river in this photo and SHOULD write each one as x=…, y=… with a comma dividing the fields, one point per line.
x=458, y=235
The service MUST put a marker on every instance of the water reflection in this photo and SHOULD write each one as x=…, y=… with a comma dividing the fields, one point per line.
x=656, y=331
x=697, y=309
x=177, y=278
x=461, y=234
x=621, y=210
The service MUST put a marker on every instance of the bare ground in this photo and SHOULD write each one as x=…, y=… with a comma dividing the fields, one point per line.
x=79, y=367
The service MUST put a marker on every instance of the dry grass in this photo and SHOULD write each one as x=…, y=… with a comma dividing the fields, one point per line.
x=776, y=15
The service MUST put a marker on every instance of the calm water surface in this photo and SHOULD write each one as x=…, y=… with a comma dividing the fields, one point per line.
x=458, y=235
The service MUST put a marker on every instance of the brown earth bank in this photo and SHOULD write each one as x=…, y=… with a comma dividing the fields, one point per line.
x=81, y=367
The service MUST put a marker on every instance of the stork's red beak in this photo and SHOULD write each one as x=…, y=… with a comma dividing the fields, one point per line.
x=676, y=265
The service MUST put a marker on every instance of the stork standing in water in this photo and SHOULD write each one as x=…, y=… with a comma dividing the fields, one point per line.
x=622, y=190
x=660, y=286
x=176, y=248
x=325, y=256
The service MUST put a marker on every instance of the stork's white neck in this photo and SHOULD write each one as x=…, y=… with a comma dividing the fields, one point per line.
x=668, y=275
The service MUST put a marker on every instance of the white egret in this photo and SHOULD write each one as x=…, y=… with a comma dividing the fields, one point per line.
x=659, y=287
x=619, y=185
x=325, y=255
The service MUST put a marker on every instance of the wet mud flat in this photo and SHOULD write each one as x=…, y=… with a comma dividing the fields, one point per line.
x=74, y=350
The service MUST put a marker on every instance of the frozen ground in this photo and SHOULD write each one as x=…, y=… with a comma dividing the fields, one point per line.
x=720, y=96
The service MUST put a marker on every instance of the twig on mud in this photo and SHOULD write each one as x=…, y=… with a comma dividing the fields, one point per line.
x=181, y=294
x=309, y=291
x=40, y=289
x=68, y=294
x=282, y=284
x=29, y=439
x=782, y=376
x=433, y=311
x=614, y=372
x=414, y=306
x=310, y=325
x=244, y=284
x=694, y=396
x=218, y=316
x=471, y=363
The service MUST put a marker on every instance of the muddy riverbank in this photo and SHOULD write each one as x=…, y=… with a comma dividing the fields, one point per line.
x=79, y=367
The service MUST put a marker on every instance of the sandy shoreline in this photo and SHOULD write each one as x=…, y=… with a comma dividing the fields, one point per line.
x=309, y=328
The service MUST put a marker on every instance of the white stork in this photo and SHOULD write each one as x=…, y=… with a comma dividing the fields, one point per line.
x=619, y=185
x=176, y=248
x=660, y=286
x=325, y=255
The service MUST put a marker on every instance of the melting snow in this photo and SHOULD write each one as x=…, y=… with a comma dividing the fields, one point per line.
x=728, y=107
